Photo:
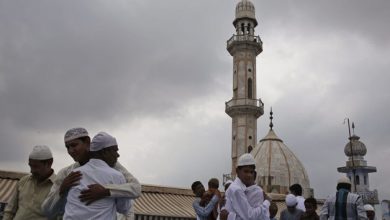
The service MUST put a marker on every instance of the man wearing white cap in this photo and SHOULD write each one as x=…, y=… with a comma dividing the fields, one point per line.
x=32, y=189
x=77, y=142
x=370, y=211
x=291, y=212
x=103, y=156
x=237, y=204
x=344, y=204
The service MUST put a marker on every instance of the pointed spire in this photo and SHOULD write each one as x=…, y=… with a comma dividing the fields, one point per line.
x=270, y=117
x=353, y=128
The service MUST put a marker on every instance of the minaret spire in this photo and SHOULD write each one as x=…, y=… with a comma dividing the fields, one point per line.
x=271, y=125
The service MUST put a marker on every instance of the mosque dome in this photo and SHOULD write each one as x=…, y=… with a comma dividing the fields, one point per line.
x=277, y=166
x=245, y=9
x=358, y=147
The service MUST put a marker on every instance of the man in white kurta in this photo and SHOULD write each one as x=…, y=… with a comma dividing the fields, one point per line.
x=237, y=203
x=98, y=171
x=54, y=203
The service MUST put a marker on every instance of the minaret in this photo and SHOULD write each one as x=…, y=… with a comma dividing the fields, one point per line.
x=357, y=170
x=244, y=108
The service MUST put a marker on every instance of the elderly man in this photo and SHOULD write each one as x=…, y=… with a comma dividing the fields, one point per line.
x=344, y=204
x=77, y=142
x=237, y=203
x=103, y=156
x=32, y=189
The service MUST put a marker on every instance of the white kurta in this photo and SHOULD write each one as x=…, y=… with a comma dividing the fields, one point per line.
x=96, y=172
x=301, y=203
x=238, y=206
x=255, y=195
x=54, y=204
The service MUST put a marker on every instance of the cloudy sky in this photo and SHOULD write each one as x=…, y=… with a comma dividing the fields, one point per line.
x=156, y=75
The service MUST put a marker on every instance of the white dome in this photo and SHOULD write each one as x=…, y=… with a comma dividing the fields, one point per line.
x=358, y=147
x=277, y=167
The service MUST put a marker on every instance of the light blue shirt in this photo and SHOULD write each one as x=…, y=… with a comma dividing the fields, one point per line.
x=203, y=213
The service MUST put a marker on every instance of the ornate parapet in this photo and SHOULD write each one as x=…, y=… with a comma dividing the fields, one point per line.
x=369, y=197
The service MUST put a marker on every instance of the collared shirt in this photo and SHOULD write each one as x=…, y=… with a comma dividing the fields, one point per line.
x=301, y=203
x=95, y=171
x=237, y=204
x=354, y=208
x=203, y=213
x=54, y=204
x=27, y=199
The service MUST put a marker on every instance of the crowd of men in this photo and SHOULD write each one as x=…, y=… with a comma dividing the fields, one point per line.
x=96, y=186
x=243, y=199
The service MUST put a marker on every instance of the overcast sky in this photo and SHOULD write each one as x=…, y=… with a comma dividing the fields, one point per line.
x=156, y=75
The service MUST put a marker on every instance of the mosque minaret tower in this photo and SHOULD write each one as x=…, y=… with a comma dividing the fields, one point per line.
x=244, y=108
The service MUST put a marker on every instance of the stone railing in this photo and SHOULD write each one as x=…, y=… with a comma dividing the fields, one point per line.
x=370, y=197
x=238, y=102
x=250, y=38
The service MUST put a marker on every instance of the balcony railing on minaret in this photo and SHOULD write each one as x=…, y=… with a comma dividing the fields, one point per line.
x=243, y=104
x=245, y=39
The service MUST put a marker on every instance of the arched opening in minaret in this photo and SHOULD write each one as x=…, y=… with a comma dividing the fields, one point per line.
x=365, y=180
x=242, y=28
x=250, y=148
x=357, y=180
x=250, y=95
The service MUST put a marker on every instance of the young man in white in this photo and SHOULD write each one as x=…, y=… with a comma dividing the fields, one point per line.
x=77, y=143
x=98, y=170
x=237, y=203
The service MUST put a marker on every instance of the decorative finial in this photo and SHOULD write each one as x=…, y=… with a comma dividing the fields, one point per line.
x=270, y=117
x=353, y=128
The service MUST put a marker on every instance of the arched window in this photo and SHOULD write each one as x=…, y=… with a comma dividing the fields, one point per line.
x=357, y=180
x=250, y=88
x=250, y=148
x=242, y=28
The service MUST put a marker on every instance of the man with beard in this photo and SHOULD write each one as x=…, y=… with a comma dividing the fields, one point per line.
x=32, y=189
x=77, y=143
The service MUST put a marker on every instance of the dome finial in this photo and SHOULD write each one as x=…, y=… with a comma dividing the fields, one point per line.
x=270, y=117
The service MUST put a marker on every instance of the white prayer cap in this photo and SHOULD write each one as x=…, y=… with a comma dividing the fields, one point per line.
x=102, y=140
x=75, y=133
x=368, y=207
x=246, y=160
x=40, y=152
x=344, y=180
x=291, y=200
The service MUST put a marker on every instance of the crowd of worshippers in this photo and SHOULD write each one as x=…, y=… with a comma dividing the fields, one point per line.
x=96, y=186
x=243, y=199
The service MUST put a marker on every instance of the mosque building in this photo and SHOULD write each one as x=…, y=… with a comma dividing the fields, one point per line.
x=357, y=170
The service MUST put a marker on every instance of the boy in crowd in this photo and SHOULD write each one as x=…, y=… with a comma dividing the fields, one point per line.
x=311, y=207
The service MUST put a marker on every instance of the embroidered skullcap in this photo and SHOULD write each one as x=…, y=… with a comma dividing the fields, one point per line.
x=368, y=207
x=40, y=152
x=102, y=140
x=291, y=200
x=75, y=133
x=344, y=180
